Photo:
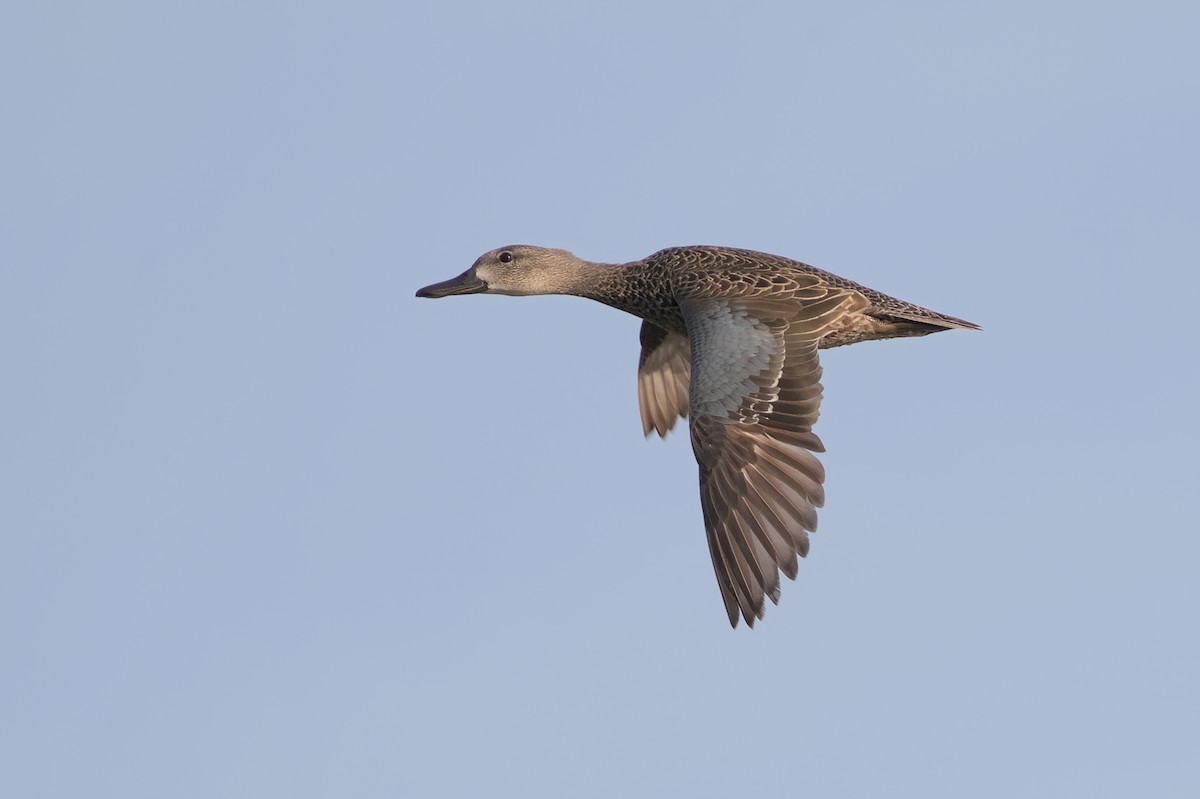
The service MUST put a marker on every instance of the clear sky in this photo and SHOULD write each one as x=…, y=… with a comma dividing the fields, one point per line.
x=271, y=526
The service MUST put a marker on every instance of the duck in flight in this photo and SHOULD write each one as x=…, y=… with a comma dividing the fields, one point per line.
x=729, y=341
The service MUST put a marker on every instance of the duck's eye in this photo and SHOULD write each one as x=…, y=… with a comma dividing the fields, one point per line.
x=505, y=257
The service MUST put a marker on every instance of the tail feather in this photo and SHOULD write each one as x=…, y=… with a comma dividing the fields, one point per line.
x=923, y=316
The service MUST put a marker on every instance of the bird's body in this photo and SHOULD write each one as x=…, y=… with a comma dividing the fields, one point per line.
x=729, y=340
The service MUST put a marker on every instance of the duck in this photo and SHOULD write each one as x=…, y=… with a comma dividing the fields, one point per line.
x=730, y=341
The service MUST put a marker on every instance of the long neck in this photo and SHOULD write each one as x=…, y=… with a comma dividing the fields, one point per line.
x=602, y=282
x=633, y=287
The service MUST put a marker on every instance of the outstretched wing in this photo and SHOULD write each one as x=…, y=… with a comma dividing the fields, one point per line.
x=755, y=395
x=664, y=371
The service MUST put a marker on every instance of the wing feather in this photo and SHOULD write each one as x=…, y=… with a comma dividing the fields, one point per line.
x=754, y=396
x=663, y=377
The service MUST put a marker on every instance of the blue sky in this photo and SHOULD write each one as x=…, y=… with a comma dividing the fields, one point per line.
x=273, y=526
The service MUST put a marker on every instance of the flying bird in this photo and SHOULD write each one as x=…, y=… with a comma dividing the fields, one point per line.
x=730, y=341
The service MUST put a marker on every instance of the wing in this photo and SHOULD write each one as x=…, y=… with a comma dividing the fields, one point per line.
x=755, y=395
x=664, y=371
